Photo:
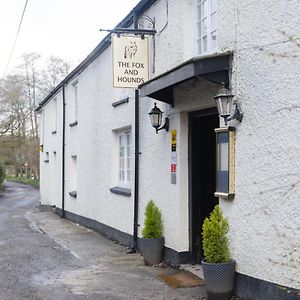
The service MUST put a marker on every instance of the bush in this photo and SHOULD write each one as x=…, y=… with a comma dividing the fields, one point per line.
x=215, y=240
x=2, y=173
x=153, y=226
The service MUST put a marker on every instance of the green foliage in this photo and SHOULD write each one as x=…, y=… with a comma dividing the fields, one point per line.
x=215, y=240
x=153, y=226
x=2, y=173
x=29, y=181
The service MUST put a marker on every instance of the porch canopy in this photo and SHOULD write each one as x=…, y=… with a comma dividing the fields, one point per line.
x=214, y=68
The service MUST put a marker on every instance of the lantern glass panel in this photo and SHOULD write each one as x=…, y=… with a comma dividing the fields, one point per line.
x=224, y=105
x=156, y=120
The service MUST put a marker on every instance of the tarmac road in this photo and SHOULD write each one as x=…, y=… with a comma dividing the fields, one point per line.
x=45, y=257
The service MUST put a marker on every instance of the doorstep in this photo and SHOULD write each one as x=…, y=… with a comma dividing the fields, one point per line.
x=195, y=269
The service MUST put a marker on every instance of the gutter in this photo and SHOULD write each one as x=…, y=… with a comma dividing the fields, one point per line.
x=63, y=152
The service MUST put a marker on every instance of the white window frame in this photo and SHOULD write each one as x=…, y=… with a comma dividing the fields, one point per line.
x=75, y=93
x=206, y=14
x=124, y=159
x=55, y=115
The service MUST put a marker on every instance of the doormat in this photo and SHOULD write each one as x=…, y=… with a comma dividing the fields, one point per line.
x=182, y=279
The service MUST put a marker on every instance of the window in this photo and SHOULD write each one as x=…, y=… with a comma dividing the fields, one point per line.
x=124, y=159
x=206, y=26
x=73, y=176
x=54, y=116
x=46, y=160
x=74, y=105
x=75, y=101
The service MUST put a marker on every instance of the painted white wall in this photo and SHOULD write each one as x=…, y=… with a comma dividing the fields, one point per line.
x=264, y=225
x=50, y=172
x=264, y=228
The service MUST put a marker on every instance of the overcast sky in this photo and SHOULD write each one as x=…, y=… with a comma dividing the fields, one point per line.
x=65, y=28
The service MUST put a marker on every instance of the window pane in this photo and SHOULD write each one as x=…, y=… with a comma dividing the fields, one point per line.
x=128, y=163
x=214, y=40
x=199, y=46
x=128, y=138
x=128, y=175
x=121, y=151
x=198, y=29
x=204, y=27
x=213, y=22
x=205, y=8
x=204, y=40
x=213, y=5
x=199, y=12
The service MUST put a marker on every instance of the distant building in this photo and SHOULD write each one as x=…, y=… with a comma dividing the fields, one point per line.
x=91, y=153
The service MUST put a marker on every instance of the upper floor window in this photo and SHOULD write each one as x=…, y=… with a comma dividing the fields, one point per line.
x=54, y=115
x=124, y=159
x=206, y=26
x=74, y=104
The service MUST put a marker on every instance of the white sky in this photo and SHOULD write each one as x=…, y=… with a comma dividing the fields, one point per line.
x=65, y=28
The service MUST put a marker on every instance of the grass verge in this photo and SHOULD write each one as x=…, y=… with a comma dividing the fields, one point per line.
x=29, y=181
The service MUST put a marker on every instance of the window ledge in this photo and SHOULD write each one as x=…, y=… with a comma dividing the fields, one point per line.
x=121, y=191
x=73, y=124
x=53, y=132
x=117, y=103
x=73, y=194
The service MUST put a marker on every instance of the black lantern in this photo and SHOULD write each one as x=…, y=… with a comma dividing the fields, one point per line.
x=156, y=118
x=224, y=101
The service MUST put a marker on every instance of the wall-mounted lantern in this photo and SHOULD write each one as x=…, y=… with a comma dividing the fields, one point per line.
x=156, y=118
x=225, y=181
x=225, y=104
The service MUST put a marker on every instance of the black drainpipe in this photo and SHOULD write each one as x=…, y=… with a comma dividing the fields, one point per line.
x=136, y=162
x=63, y=153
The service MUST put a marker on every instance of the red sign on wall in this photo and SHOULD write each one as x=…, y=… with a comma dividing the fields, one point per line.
x=173, y=168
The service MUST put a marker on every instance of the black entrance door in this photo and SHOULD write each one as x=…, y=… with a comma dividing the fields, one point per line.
x=202, y=172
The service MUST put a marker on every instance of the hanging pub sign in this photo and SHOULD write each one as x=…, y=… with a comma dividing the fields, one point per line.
x=130, y=60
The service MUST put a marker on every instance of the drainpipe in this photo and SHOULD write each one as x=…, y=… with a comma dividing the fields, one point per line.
x=63, y=153
x=136, y=161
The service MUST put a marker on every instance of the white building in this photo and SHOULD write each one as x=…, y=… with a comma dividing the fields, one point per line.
x=251, y=46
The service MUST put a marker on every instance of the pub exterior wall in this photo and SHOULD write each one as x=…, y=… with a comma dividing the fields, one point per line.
x=264, y=228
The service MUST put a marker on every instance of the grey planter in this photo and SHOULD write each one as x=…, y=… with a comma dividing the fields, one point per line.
x=219, y=280
x=152, y=250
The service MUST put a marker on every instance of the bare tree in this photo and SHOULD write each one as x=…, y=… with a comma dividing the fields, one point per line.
x=56, y=70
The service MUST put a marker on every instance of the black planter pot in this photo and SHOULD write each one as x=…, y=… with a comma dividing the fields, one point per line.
x=152, y=250
x=219, y=280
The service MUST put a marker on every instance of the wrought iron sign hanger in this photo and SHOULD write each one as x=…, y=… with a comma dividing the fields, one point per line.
x=141, y=32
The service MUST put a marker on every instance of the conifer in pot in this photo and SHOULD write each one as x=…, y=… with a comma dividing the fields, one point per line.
x=152, y=243
x=218, y=267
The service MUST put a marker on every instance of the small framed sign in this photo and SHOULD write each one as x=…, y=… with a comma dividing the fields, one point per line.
x=225, y=162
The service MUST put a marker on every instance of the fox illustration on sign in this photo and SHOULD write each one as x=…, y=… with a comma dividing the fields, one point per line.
x=130, y=50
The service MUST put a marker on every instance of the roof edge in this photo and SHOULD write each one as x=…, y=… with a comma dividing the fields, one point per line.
x=104, y=44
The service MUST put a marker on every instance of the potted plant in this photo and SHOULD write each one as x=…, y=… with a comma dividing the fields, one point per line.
x=152, y=243
x=218, y=267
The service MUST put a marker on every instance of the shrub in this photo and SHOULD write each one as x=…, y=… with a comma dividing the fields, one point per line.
x=215, y=240
x=2, y=173
x=153, y=226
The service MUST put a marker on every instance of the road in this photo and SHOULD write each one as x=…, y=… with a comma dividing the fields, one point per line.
x=46, y=257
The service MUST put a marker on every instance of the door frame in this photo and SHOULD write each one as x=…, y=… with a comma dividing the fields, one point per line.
x=193, y=115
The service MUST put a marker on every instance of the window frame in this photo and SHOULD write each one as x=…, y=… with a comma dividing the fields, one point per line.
x=199, y=26
x=74, y=110
x=125, y=180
